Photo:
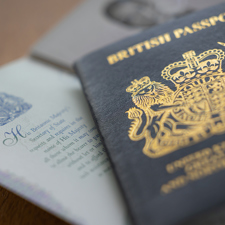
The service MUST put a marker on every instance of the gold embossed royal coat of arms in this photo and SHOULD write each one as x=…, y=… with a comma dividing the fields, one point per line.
x=190, y=113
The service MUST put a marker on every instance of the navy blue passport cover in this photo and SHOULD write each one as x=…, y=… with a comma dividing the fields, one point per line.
x=158, y=99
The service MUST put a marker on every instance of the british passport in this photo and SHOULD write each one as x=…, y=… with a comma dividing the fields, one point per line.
x=158, y=99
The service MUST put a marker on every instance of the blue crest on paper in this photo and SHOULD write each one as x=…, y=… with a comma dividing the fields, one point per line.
x=11, y=107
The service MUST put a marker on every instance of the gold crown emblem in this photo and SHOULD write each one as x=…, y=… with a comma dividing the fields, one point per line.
x=138, y=85
x=186, y=114
x=194, y=66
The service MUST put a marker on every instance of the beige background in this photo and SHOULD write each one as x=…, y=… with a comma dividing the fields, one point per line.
x=22, y=23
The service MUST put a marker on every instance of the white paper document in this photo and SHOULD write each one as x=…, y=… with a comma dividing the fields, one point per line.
x=51, y=153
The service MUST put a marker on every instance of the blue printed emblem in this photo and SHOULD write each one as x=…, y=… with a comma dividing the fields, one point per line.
x=11, y=107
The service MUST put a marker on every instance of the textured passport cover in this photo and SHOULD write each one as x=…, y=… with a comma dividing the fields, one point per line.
x=159, y=101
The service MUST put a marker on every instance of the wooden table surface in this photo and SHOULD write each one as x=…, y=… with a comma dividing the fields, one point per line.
x=22, y=23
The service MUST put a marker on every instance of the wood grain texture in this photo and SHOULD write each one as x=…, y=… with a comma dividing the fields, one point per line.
x=22, y=23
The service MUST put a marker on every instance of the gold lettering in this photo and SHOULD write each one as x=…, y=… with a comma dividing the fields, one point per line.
x=205, y=23
x=112, y=59
x=188, y=168
x=165, y=189
x=187, y=30
x=198, y=154
x=223, y=145
x=154, y=42
x=178, y=32
x=196, y=166
x=122, y=54
x=161, y=39
x=147, y=44
x=178, y=164
x=196, y=26
x=217, y=149
x=207, y=170
x=193, y=176
x=139, y=47
x=207, y=151
x=167, y=37
x=131, y=51
x=221, y=17
x=170, y=168
x=189, y=158
x=213, y=20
